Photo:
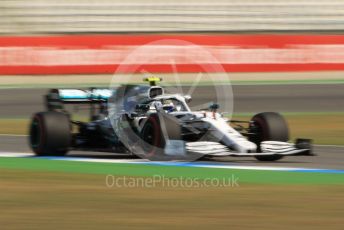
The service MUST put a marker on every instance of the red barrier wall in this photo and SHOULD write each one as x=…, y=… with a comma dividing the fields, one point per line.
x=104, y=54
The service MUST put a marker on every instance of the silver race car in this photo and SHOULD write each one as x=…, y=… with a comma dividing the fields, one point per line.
x=145, y=121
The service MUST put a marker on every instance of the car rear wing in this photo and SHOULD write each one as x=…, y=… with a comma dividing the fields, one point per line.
x=56, y=98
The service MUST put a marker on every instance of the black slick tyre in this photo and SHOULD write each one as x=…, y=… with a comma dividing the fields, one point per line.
x=268, y=126
x=50, y=134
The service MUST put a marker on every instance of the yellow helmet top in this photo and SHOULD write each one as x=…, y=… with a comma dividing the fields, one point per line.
x=153, y=80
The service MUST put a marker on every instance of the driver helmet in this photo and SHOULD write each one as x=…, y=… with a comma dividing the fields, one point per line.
x=168, y=106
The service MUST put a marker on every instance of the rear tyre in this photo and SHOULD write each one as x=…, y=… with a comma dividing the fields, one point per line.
x=50, y=134
x=268, y=126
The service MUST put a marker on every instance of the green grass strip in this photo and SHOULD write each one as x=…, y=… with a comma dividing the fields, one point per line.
x=138, y=170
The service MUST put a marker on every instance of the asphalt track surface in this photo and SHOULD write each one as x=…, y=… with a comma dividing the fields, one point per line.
x=327, y=157
x=247, y=99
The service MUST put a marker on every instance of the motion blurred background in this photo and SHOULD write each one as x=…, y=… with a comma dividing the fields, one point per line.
x=280, y=55
x=284, y=56
x=22, y=17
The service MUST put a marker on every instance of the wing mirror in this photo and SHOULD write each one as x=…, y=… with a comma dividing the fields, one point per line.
x=214, y=107
x=187, y=98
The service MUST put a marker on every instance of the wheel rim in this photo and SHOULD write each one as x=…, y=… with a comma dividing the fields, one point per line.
x=148, y=134
x=151, y=137
x=35, y=134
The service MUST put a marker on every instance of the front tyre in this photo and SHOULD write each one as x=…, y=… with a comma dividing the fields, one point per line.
x=50, y=134
x=155, y=132
x=268, y=126
x=152, y=136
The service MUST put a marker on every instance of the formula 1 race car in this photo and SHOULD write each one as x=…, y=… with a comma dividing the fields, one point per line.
x=145, y=121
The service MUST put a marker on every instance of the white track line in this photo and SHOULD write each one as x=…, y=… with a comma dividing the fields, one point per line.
x=13, y=135
x=171, y=163
x=92, y=160
x=16, y=154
